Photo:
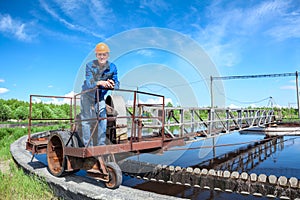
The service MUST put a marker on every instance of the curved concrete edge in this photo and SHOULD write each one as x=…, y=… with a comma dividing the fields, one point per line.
x=72, y=186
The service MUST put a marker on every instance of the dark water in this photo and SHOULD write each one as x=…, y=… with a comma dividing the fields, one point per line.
x=184, y=191
x=279, y=158
x=283, y=156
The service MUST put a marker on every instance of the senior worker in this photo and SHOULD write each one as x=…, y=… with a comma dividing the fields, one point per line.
x=103, y=75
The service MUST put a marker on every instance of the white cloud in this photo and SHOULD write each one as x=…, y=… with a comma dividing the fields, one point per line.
x=69, y=6
x=50, y=86
x=145, y=52
x=262, y=14
x=287, y=24
x=156, y=6
x=57, y=101
x=233, y=106
x=78, y=14
x=151, y=101
x=3, y=90
x=64, y=100
x=232, y=25
x=288, y=87
x=15, y=28
x=36, y=100
x=279, y=19
x=2, y=80
x=157, y=101
x=70, y=94
x=252, y=105
x=101, y=13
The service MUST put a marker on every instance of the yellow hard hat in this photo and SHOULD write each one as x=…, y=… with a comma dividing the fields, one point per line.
x=101, y=48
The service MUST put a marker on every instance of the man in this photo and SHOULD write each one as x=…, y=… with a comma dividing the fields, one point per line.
x=103, y=75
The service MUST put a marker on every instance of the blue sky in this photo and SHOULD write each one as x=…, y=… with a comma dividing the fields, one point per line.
x=44, y=44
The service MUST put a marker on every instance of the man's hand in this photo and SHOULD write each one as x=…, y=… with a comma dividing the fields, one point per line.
x=111, y=82
x=106, y=84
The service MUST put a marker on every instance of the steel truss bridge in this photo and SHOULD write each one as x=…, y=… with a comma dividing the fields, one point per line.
x=205, y=122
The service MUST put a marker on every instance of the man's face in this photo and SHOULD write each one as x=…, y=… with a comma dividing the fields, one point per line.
x=102, y=57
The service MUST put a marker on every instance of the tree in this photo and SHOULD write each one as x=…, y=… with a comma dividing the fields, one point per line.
x=169, y=104
x=47, y=112
x=21, y=113
x=5, y=112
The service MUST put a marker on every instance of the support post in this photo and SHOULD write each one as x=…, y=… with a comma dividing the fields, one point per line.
x=211, y=93
x=297, y=90
x=181, y=122
x=193, y=120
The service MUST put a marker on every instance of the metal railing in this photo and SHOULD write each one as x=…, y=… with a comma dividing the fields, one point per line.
x=181, y=122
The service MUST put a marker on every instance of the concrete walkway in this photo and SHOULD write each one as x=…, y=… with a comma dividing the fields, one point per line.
x=72, y=186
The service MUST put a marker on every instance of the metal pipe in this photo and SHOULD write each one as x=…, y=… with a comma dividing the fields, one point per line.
x=163, y=120
x=29, y=119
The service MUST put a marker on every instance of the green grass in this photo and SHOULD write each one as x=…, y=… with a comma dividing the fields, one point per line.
x=15, y=184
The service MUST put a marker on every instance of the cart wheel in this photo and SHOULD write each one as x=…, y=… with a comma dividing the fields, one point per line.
x=55, y=155
x=115, y=175
x=55, y=152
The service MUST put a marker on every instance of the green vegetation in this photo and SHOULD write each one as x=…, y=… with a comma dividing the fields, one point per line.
x=19, y=110
x=288, y=114
x=15, y=184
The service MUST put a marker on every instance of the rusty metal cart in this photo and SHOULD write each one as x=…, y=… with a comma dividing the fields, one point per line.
x=66, y=153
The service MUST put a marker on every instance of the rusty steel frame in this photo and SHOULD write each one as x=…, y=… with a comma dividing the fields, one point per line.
x=39, y=145
x=136, y=142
